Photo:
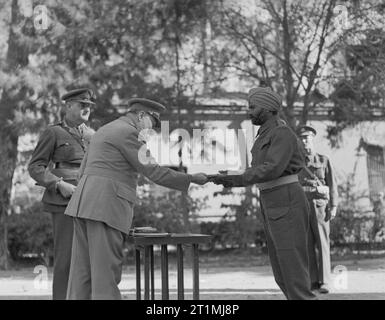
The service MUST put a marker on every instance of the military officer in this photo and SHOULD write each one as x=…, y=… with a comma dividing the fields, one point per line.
x=102, y=205
x=276, y=162
x=319, y=184
x=54, y=165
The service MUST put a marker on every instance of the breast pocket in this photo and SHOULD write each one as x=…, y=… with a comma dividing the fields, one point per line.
x=259, y=151
x=264, y=145
x=64, y=150
x=317, y=169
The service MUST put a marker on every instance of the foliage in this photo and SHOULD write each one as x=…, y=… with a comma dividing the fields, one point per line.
x=165, y=212
x=30, y=232
x=282, y=44
x=227, y=233
x=359, y=90
x=242, y=223
x=351, y=225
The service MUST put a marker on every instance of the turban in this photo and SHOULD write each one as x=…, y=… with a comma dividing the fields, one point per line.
x=265, y=98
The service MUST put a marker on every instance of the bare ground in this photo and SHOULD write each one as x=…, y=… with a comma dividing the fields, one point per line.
x=229, y=277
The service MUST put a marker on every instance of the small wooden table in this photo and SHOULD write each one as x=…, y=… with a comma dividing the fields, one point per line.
x=147, y=243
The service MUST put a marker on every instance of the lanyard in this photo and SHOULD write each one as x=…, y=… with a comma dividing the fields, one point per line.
x=75, y=136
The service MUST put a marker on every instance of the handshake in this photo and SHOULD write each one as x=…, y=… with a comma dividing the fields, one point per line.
x=226, y=178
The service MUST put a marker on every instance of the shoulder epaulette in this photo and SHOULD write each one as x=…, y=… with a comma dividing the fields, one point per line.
x=56, y=124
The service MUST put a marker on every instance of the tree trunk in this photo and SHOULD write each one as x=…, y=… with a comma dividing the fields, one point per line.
x=176, y=39
x=8, y=158
x=205, y=49
x=4, y=253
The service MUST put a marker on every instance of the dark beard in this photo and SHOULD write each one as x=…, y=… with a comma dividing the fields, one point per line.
x=257, y=119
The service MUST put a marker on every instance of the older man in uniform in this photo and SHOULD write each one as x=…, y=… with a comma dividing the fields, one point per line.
x=319, y=184
x=102, y=205
x=276, y=162
x=54, y=165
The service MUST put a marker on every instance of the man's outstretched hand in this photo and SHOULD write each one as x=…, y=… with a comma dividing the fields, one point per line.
x=223, y=180
x=199, y=178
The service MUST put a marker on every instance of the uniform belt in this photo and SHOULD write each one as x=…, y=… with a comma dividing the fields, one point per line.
x=278, y=182
x=112, y=174
x=66, y=174
x=67, y=165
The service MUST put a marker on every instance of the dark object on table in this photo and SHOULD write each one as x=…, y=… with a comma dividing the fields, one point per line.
x=137, y=230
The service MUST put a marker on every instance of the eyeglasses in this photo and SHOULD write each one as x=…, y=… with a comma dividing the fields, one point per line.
x=84, y=105
x=154, y=116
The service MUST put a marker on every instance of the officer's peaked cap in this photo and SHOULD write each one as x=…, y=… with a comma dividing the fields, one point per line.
x=306, y=130
x=145, y=105
x=84, y=95
x=152, y=107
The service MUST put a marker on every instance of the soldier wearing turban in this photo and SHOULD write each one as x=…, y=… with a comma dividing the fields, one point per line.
x=276, y=161
x=263, y=102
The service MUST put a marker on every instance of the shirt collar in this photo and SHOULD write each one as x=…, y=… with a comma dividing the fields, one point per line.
x=74, y=129
x=311, y=157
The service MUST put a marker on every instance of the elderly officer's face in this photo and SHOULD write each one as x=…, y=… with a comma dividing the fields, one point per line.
x=78, y=112
x=146, y=121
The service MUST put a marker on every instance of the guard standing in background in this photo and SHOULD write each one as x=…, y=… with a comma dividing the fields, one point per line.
x=277, y=158
x=318, y=181
x=54, y=165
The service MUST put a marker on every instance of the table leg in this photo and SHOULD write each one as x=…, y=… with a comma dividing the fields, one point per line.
x=152, y=273
x=164, y=267
x=179, y=255
x=138, y=289
x=146, y=273
x=195, y=270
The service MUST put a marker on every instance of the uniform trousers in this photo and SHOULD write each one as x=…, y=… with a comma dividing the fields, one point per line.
x=62, y=239
x=319, y=243
x=285, y=212
x=96, y=263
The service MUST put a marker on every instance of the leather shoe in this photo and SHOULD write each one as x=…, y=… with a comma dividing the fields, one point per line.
x=314, y=286
x=323, y=289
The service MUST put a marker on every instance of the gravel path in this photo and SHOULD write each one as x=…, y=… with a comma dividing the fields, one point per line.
x=363, y=279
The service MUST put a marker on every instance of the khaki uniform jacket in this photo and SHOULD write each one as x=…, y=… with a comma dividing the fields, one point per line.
x=57, y=144
x=107, y=188
x=321, y=167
